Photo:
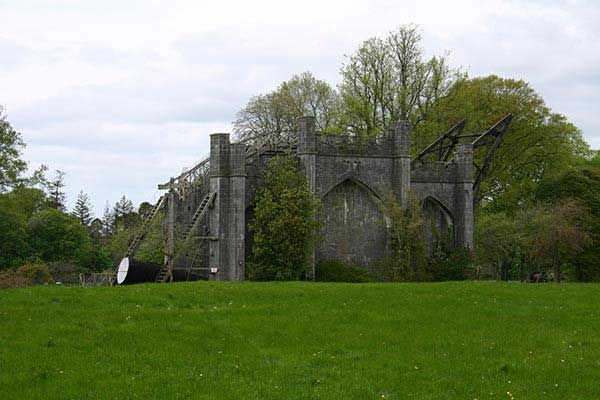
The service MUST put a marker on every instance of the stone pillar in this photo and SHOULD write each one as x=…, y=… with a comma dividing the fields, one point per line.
x=401, y=167
x=236, y=240
x=227, y=217
x=307, y=149
x=307, y=152
x=463, y=196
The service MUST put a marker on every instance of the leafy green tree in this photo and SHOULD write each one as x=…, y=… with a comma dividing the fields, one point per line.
x=13, y=239
x=271, y=118
x=581, y=181
x=83, y=209
x=16, y=208
x=56, y=236
x=284, y=224
x=389, y=79
x=108, y=221
x=559, y=232
x=56, y=193
x=124, y=212
x=96, y=227
x=151, y=249
x=537, y=142
x=11, y=146
x=145, y=208
x=501, y=242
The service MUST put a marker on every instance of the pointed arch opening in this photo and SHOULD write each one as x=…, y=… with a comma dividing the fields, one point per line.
x=439, y=225
x=353, y=228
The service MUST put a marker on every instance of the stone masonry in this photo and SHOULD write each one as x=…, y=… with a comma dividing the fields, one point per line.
x=351, y=175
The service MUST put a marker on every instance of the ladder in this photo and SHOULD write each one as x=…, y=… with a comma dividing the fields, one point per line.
x=188, y=234
x=141, y=232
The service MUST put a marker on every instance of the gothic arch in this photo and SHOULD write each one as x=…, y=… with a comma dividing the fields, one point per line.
x=353, y=224
x=351, y=176
x=439, y=224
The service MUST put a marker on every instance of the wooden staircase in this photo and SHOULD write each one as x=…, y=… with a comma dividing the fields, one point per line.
x=192, y=227
x=141, y=232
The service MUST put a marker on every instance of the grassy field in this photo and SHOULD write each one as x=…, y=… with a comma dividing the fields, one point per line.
x=217, y=340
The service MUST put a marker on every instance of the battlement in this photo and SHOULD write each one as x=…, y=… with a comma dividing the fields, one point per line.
x=392, y=143
x=349, y=144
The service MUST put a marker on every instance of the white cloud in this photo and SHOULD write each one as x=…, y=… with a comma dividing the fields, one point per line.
x=122, y=95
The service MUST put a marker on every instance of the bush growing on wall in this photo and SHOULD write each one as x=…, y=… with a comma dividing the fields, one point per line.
x=284, y=223
x=407, y=259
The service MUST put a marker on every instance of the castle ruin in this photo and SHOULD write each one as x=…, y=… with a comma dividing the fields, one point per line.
x=208, y=207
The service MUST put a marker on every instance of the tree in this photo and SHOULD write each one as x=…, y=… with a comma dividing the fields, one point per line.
x=16, y=208
x=83, y=209
x=389, y=79
x=108, y=220
x=271, y=118
x=558, y=232
x=537, y=142
x=13, y=239
x=56, y=194
x=581, y=181
x=284, y=223
x=96, y=229
x=151, y=249
x=56, y=236
x=501, y=241
x=124, y=213
x=11, y=146
x=145, y=208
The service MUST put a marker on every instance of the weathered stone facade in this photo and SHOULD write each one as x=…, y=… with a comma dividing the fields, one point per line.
x=352, y=175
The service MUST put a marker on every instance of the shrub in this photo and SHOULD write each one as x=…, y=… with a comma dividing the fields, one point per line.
x=454, y=265
x=35, y=274
x=12, y=279
x=284, y=224
x=407, y=259
x=64, y=272
x=338, y=271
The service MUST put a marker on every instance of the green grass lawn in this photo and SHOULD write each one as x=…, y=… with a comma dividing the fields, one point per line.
x=220, y=340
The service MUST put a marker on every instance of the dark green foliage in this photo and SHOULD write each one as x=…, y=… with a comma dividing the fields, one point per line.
x=56, y=236
x=581, y=182
x=11, y=146
x=83, y=209
x=338, y=271
x=124, y=213
x=537, y=143
x=151, y=250
x=16, y=208
x=450, y=264
x=13, y=243
x=56, y=194
x=406, y=260
x=284, y=223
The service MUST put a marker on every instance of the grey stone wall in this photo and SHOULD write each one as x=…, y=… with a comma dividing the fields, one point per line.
x=352, y=176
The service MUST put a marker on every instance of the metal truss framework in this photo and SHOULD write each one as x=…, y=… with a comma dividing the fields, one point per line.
x=443, y=147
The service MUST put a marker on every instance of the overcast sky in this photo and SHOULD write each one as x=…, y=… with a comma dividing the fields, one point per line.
x=121, y=94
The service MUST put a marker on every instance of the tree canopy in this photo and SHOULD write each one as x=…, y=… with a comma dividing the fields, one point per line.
x=11, y=145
